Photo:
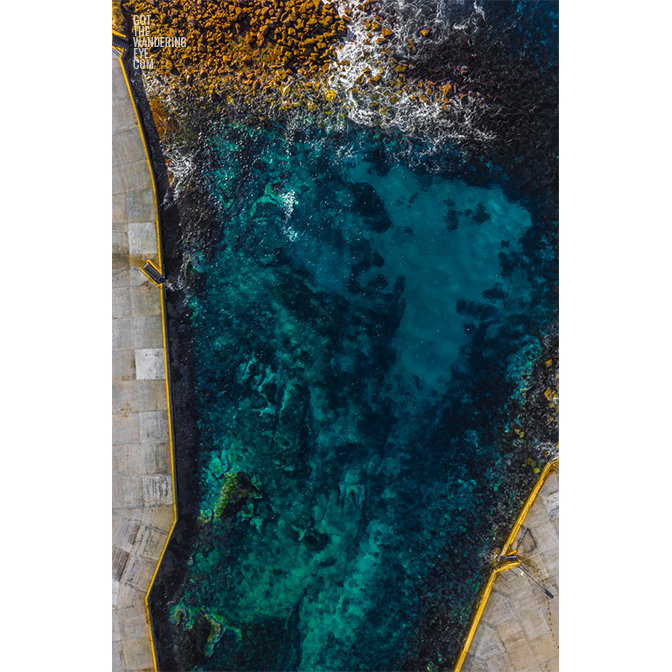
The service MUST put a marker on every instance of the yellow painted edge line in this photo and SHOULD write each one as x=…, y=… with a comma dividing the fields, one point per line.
x=528, y=504
x=483, y=598
x=149, y=165
x=165, y=363
x=172, y=474
x=482, y=601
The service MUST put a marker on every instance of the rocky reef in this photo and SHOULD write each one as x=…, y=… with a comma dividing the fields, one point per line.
x=362, y=311
x=269, y=39
x=353, y=472
x=310, y=55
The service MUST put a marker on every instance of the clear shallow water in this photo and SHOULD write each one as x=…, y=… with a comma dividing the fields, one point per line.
x=330, y=315
x=444, y=240
x=366, y=331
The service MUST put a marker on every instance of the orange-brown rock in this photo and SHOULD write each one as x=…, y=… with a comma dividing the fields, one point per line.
x=228, y=34
x=239, y=50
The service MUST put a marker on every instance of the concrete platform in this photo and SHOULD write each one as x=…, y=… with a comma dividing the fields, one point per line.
x=519, y=628
x=142, y=486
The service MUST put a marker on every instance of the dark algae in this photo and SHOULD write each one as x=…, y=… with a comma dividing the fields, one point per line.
x=363, y=328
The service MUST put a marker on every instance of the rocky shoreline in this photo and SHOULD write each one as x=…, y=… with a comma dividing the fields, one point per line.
x=514, y=424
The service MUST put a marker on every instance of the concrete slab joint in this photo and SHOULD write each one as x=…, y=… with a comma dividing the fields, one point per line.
x=142, y=500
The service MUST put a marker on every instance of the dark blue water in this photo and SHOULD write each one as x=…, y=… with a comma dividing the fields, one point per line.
x=368, y=321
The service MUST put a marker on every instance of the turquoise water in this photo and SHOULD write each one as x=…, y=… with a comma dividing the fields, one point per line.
x=331, y=316
x=368, y=326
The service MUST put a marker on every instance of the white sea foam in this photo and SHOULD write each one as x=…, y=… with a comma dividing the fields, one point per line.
x=181, y=167
x=388, y=103
x=392, y=103
x=289, y=200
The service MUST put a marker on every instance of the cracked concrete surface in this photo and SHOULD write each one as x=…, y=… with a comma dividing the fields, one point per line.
x=142, y=489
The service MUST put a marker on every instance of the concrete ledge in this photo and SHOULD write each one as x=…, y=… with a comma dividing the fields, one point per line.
x=519, y=628
x=143, y=510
